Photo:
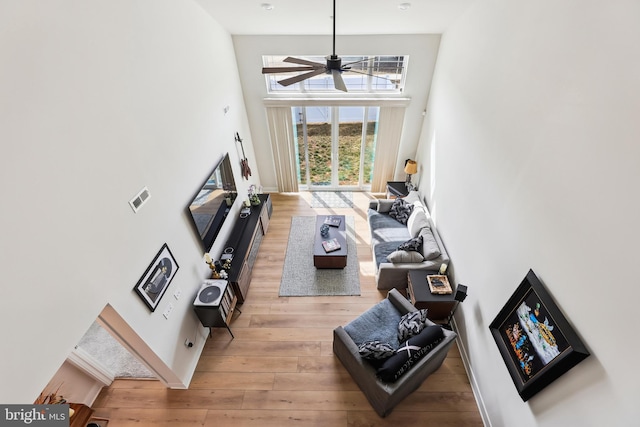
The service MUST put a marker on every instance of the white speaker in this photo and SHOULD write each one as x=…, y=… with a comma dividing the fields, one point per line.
x=210, y=293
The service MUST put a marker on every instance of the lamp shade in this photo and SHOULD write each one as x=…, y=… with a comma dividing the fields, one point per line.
x=411, y=167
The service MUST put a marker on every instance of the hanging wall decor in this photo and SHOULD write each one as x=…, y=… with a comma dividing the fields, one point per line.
x=244, y=163
x=155, y=281
x=535, y=339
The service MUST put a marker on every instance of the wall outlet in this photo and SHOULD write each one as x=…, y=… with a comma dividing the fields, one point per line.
x=167, y=311
x=177, y=293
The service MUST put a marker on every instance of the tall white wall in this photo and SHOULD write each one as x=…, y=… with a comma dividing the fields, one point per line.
x=533, y=161
x=98, y=100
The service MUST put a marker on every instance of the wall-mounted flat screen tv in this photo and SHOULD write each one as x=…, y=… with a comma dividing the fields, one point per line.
x=212, y=204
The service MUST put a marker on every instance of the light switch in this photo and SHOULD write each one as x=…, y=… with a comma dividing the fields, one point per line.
x=177, y=293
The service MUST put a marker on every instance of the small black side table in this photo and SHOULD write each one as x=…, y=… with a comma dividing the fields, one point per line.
x=396, y=189
x=439, y=306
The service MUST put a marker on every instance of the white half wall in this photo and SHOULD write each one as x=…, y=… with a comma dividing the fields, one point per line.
x=98, y=100
x=532, y=160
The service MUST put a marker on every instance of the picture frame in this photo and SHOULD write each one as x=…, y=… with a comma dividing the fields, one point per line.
x=156, y=279
x=535, y=340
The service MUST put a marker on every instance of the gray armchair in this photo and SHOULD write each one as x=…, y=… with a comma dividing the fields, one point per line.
x=385, y=396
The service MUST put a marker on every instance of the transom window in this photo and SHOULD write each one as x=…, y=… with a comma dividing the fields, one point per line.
x=368, y=74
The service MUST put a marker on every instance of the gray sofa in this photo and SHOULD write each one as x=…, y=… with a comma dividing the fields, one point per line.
x=387, y=234
x=384, y=396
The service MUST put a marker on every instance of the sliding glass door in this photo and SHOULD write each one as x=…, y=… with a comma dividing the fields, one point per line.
x=335, y=146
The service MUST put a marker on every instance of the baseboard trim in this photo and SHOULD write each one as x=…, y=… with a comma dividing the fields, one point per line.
x=464, y=355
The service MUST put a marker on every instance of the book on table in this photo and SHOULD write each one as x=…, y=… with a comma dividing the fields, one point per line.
x=439, y=284
x=331, y=245
x=332, y=221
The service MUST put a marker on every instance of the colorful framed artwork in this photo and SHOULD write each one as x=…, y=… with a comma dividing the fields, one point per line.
x=155, y=281
x=535, y=339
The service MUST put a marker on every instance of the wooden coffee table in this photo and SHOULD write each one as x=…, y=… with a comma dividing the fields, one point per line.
x=335, y=259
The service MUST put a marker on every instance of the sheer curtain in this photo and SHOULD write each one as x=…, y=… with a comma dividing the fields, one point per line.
x=283, y=146
x=387, y=143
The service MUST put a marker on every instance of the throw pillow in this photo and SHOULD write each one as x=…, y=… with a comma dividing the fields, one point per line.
x=409, y=353
x=411, y=244
x=400, y=211
x=376, y=350
x=430, y=248
x=405, y=256
x=384, y=205
x=411, y=324
x=417, y=221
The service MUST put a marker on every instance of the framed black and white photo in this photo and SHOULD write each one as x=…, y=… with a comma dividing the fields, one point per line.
x=155, y=281
x=535, y=339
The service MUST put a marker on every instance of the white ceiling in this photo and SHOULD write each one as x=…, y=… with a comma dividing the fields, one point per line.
x=313, y=17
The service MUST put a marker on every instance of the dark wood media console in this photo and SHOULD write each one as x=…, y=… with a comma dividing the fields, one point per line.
x=246, y=236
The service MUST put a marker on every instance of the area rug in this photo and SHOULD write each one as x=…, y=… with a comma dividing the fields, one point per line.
x=106, y=350
x=301, y=278
x=331, y=199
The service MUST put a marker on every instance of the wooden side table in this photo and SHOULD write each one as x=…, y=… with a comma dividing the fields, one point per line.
x=396, y=189
x=439, y=306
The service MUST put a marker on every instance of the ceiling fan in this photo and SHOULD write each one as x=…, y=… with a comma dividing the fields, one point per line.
x=333, y=66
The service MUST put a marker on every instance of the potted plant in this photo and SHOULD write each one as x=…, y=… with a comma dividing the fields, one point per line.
x=253, y=195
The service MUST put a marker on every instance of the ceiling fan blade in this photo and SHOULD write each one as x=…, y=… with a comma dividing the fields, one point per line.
x=338, y=82
x=371, y=75
x=303, y=62
x=301, y=77
x=269, y=70
x=355, y=62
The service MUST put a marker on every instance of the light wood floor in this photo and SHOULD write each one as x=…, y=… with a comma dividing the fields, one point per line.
x=280, y=369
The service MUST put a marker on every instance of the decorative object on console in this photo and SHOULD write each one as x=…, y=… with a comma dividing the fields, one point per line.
x=410, y=168
x=212, y=266
x=253, y=195
x=155, y=280
x=536, y=341
x=324, y=230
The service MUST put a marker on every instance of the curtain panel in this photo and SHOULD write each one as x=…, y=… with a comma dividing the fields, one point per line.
x=283, y=147
x=387, y=142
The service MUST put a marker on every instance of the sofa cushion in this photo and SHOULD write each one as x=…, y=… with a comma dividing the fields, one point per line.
x=379, y=323
x=411, y=244
x=376, y=350
x=417, y=221
x=386, y=229
x=400, y=211
x=430, y=248
x=409, y=353
x=411, y=324
x=405, y=256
